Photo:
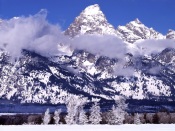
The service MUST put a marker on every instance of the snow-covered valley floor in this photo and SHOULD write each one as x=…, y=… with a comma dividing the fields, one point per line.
x=125, y=127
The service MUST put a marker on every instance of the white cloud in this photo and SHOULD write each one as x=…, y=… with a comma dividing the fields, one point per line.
x=121, y=70
x=154, y=70
x=148, y=47
x=105, y=45
x=33, y=33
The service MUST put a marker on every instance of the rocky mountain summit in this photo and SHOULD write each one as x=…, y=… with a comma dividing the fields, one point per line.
x=136, y=30
x=93, y=21
x=90, y=21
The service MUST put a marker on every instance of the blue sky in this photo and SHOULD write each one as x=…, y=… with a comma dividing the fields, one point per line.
x=159, y=14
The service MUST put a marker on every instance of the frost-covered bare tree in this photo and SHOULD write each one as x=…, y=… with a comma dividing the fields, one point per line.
x=118, y=112
x=121, y=103
x=57, y=116
x=95, y=116
x=74, y=104
x=46, y=118
x=71, y=110
x=137, y=119
x=83, y=119
x=113, y=116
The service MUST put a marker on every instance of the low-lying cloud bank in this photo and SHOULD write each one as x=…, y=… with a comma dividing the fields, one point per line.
x=35, y=33
x=105, y=45
x=148, y=47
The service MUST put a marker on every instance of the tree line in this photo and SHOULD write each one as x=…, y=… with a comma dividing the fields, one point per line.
x=76, y=114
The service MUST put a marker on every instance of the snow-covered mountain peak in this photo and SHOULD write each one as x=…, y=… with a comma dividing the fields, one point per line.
x=136, y=30
x=170, y=30
x=92, y=10
x=136, y=22
x=90, y=21
x=170, y=34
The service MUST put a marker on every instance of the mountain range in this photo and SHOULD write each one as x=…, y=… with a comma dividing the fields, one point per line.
x=93, y=21
x=34, y=78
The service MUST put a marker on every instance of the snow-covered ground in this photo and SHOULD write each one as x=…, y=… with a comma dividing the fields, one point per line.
x=126, y=127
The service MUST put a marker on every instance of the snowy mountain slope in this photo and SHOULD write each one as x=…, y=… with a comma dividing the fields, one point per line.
x=170, y=34
x=135, y=30
x=90, y=21
x=37, y=79
x=167, y=57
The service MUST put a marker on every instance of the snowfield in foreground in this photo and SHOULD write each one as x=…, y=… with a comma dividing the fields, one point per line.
x=125, y=127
